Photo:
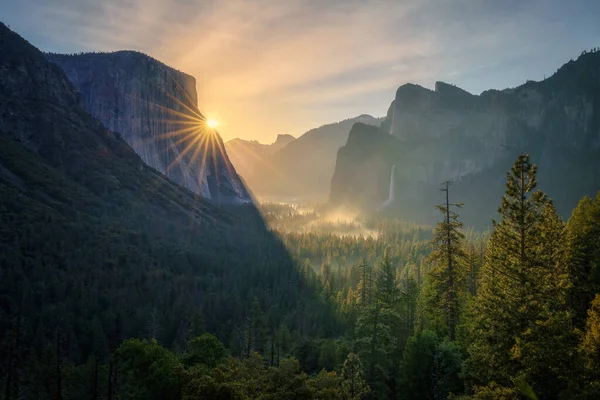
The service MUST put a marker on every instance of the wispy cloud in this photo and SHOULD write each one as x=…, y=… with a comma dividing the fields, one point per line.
x=272, y=66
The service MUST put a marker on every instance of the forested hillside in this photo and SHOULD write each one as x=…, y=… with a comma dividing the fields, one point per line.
x=427, y=313
x=96, y=247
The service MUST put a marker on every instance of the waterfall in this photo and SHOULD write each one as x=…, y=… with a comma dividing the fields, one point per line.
x=392, y=195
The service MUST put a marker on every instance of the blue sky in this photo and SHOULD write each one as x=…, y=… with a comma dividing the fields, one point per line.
x=265, y=67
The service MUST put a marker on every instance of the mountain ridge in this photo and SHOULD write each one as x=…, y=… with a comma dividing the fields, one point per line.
x=247, y=155
x=450, y=134
x=304, y=167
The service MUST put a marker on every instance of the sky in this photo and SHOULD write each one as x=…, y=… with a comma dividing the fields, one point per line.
x=265, y=67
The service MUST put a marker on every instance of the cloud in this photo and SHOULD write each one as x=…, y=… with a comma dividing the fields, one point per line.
x=269, y=66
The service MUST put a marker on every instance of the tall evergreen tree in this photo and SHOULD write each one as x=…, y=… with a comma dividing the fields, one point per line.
x=590, y=349
x=387, y=290
x=517, y=321
x=410, y=294
x=255, y=330
x=326, y=279
x=473, y=267
x=365, y=285
x=378, y=330
x=448, y=275
x=583, y=257
x=354, y=385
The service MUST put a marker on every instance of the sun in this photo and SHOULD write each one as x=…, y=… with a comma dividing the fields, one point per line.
x=212, y=123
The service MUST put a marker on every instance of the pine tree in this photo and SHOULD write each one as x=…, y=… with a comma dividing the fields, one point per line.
x=387, y=291
x=589, y=348
x=366, y=282
x=583, y=257
x=377, y=332
x=473, y=267
x=447, y=276
x=517, y=321
x=556, y=280
x=326, y=279
x=254, y=331
x=372, y=344
x=417, y=362
x=354, y=385
x=388, y=298
x=284, y=341
x=410, y=294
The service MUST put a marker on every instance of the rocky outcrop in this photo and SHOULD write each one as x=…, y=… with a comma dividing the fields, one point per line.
x=367, y=158
x=450, y=134
x=154, y=108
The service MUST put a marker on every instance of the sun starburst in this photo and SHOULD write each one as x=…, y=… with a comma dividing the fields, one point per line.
x=192, y=136
x=212, y=123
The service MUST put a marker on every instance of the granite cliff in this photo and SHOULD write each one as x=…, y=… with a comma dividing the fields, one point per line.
x=450, y=134
x=89, y=232
x=154, y=108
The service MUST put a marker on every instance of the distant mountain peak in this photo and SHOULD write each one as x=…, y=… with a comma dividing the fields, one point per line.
x=364, y=116
x=450, y=89
x=410, y=89
x=283, y=139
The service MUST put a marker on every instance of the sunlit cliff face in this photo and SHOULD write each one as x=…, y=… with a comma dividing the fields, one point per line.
x=197, y=137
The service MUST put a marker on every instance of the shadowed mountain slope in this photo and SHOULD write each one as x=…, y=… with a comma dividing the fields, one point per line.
x=450, y=134
x=96, y=246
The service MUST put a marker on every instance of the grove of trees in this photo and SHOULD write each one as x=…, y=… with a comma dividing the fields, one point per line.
x=420, y=313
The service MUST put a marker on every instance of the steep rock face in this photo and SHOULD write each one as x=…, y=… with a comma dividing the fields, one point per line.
x=154, y=108
x=43, y=122
x=88, y=232
x=450, y=134
x=304, y=167
x=247, y=155
x=367, y=157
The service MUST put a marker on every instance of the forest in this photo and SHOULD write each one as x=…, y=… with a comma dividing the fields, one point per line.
x=399, y=311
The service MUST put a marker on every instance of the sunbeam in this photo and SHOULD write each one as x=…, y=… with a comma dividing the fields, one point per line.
x=193, y=137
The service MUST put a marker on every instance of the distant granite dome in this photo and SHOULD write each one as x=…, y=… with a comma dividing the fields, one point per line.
x=282, y=140
x=147, y=102
x=449, y=133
